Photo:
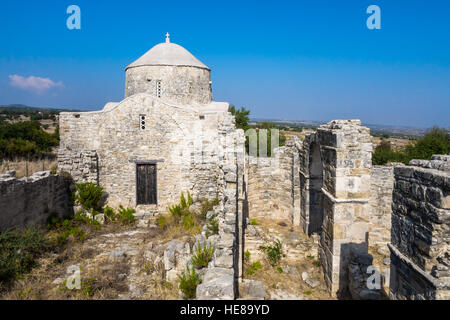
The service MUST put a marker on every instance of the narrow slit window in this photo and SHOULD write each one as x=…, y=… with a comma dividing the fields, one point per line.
x=158, y=89
x=142, y=121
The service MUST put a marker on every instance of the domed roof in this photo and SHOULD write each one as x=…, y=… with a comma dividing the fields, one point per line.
x=167, y=54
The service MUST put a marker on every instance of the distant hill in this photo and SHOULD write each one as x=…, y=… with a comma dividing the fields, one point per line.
x=20, y=108
x=375, y=128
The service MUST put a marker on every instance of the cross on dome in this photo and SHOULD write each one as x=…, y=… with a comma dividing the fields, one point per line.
x=167, y=37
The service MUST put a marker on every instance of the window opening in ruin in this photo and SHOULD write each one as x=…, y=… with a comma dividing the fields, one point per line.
x=142, y=121
x=158, y=89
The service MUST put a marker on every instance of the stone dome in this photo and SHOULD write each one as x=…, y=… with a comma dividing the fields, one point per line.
x=168, y=54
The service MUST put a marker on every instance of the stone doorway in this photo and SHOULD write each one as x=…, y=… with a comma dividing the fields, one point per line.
x=146, y=190
x=315, y=189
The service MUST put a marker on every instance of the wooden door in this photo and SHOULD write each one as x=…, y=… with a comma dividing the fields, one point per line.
x=146, y=184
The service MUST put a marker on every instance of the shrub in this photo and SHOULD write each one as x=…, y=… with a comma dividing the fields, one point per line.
x=89, y=195
x=247, y=255
x=162, y=222
x=125, y=216
x=274, y=252
x=435, y=141
x=188, y=283
x=109, y=212
x=254, y=267
x=202, y=255
x=253, y=222
x=208, y=206
x=212, y=227
x=280, y=269
x=19, y=250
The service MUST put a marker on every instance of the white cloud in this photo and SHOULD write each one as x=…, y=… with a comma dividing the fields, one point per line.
x=35, y=84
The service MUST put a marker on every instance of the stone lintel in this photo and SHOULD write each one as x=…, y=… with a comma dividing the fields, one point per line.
x=337, y=200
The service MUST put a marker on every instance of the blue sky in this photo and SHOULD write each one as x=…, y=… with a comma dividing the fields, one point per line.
x=305, y=60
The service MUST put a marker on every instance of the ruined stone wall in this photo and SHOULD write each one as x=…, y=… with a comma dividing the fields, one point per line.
x=420, y=237
x=31, y=200
x=335, y=166
x=221, y=278
x=81, y=165
x=181, y=85
x=270, y=185
x=180, y=140
x=381, y=187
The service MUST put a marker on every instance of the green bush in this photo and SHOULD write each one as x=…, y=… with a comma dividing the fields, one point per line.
x=208, y=206
x=109, y=212
x=89, y=195
x=202, y=255
x=188, y=283
x=435, y=141
x=126, y=216
x=162, y=222
x=247, y=255
x=274, y=252
x=254, y=267
x=25, y=138
x=212, y=227
x=19, y=250
x=254, y=222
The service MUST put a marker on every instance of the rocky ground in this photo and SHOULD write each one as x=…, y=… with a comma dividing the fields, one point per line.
x=299, y=275
x=139, y=262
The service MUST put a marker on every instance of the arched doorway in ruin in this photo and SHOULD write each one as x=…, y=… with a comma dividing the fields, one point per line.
x=315, y=189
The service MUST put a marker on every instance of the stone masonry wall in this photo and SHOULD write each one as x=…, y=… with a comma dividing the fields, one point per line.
x=346, y=153
x=30, y=200
x=180, y=140
x=381, y=186
x=270, y=185
x=81, y=165
x=181, y=85
x=420, y=241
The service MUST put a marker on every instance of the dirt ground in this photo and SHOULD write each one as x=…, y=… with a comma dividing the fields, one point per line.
x=300, y=258
x=115, y=262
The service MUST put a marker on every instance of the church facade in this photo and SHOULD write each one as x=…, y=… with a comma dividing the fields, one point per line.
x=167, y=136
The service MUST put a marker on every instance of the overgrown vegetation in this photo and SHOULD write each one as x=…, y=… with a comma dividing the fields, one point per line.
x=274, y=252
x=183, y=218
x=89, y=195
x=434, y=142
x=241, y=121
x=252, y=268
x=25, y=139
x=189, y=281
x=202, y=255
x=19, y=251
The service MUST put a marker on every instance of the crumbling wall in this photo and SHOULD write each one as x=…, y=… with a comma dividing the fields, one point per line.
x=220, y=280
x=81, y=165
x=420, y=241
x=30, y=200
x=273, y=184
x=381, y=187
x=335, y=166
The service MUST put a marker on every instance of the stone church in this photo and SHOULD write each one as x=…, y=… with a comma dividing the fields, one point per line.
x=165, y=137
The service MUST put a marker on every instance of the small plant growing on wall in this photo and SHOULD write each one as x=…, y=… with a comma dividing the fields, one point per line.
x=274, y=252
x=254, y=222
x=188, y=283
x=202, y=255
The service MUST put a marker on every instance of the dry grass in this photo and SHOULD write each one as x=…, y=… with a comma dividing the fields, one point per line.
x=20, y=166
x=290, y=283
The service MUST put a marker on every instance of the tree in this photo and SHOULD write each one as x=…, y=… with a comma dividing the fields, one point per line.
x=241, y=117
